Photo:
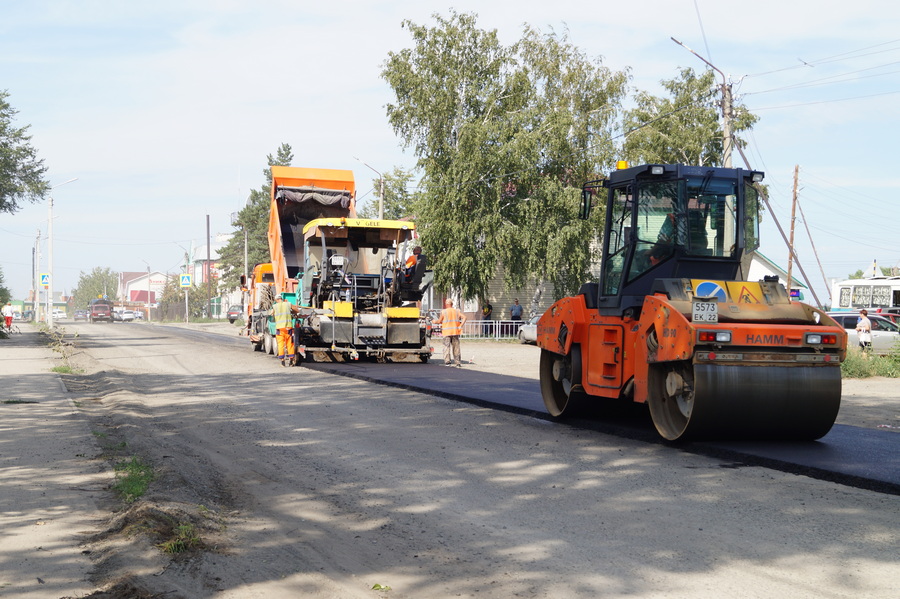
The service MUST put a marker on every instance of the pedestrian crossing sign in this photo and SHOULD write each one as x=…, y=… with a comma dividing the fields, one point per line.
x=185, y=280
x=45, y=280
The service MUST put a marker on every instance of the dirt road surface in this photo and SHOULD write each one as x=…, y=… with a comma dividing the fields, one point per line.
x=296, y=483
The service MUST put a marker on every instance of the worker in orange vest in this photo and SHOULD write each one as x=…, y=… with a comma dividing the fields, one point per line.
x=451, y=321
x=284, y=324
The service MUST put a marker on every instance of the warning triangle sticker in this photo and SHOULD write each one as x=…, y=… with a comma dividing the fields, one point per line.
x=746, y=296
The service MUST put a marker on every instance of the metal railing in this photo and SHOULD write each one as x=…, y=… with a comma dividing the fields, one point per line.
x=495, y=330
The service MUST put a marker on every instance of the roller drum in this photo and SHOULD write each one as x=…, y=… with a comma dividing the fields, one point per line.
x=708, y=401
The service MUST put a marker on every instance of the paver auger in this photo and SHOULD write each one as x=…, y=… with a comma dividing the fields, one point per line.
x=672, y=321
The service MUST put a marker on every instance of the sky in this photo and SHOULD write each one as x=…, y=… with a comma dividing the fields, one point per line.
x=164, y=112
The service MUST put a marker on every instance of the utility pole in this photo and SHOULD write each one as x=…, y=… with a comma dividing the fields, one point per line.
x=727, y=109
x=208, y=272
x=186, y=289
x=35, y=301
x=790, y=280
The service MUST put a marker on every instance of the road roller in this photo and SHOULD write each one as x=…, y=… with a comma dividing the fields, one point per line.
x=674, y=323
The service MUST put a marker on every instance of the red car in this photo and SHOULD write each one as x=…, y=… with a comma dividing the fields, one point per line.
x=234, y=313
x=101, y=312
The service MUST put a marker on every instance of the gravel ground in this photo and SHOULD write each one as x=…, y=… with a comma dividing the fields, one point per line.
x=297, y=483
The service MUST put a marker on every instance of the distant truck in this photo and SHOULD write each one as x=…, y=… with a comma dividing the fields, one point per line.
x=341, y=271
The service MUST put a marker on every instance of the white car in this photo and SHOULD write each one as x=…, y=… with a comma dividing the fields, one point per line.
x=885, y=334
x=59, y=314
x=127, y=315
x=528, y=331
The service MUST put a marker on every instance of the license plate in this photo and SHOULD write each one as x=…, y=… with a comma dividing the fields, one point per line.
x=705, y=310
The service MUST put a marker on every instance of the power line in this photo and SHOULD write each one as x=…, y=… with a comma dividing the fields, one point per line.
x=833, y=58
x=825, y=101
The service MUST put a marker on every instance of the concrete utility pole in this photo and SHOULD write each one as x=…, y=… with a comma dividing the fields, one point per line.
x=50, y=253
x=727, y=109
x=36, y=301
x=208, y=272
x=790, y=280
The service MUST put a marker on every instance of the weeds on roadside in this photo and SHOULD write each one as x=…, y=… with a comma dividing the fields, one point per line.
x=860, y=365
x=184, y=538
x=133, y=477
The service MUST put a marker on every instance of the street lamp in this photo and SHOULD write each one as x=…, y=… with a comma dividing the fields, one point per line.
x=50, y=254
x=380, y=193
x=726, y=108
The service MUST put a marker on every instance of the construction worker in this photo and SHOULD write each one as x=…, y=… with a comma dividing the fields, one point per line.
x=410, y=267
x=284, y=325
x=451, y=321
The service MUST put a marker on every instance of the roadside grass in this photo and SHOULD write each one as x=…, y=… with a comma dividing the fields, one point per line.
x=184, y=538
x=63, y=369
x=133, y=477
x=860, y=365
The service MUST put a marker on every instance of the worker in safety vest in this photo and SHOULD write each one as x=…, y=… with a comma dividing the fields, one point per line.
x=284, y=325
x=451, y=321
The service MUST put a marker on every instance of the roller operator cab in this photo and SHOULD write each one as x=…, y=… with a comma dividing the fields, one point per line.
x=673, y=322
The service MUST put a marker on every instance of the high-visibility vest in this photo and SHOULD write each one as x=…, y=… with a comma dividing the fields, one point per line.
x=283, y=315
x=451, y=322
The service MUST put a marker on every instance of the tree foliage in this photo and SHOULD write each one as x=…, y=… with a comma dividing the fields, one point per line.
x=399, y=202
x=504, y=137
x=685, y=127
x=97, y=283
x=254, y=219
x=21, y=172
x=5, y=294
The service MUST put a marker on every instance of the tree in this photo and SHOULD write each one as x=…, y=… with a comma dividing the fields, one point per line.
x=98, y=283
x=569, y=112
x=253, y=218
x=685, y=127
x=398, y=201
x=495, y=129
x=5, y=294
x=21, y=172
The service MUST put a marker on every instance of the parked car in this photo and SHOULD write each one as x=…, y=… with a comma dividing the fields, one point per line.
x=885, y=334
x=138, y=315
x=59, y=314
x=528, y=331
x=82, y=315
x=234, y=313
x=127, y=315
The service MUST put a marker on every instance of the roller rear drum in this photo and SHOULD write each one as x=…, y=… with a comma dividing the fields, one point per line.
x=706, y=401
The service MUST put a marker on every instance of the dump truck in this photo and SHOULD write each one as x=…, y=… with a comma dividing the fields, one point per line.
x=341, y=272
x=673, y=322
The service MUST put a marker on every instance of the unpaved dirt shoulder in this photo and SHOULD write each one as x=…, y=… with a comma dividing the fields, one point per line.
x=53, y=484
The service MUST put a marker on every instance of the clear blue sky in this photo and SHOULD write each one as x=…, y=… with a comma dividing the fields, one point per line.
x=165, y=111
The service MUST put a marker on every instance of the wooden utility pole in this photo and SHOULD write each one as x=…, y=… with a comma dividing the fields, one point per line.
x=790, y=280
